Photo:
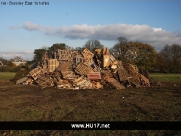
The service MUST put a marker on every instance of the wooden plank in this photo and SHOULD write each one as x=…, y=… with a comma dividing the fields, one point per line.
x=21, y=80
x=145, y=81
x=68, y=75
x=114, y=83
x=123, y=75
x=63, y=67
x=106, y=61
x=94, y=76
x=78, y=60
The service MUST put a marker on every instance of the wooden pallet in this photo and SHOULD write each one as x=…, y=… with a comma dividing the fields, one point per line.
x=65, y=55
x=88, y=55
x=44, y=81
x=83, y=69
x=52, y=64
x=35, y=73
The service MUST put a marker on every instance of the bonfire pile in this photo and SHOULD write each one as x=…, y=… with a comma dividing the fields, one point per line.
x=67, y=69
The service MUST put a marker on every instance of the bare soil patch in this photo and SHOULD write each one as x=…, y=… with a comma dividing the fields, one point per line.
x=27, y=103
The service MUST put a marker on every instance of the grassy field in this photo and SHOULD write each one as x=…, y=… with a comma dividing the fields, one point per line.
x=166, y=77
x=6, y=75
x=156, y=76
x=27, y=103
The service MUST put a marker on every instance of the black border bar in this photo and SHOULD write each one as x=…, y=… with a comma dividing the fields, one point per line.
x=91, y=125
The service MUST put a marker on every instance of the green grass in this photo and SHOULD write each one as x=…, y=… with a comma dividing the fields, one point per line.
x=7, y=75
x=166, y=77
x=156, y=76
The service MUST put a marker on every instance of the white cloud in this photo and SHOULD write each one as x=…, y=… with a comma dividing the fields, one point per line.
x=31, y=26
x=157, y=29
x=24, y=54
x=144, y=33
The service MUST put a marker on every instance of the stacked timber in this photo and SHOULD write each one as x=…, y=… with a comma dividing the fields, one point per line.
x=73, y=70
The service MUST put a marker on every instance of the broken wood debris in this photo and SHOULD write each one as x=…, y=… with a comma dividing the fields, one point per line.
x=45, y=81
x=115, y=84
x=68, y=69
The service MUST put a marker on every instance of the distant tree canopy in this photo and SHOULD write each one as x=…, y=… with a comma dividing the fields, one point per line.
x=8, y=66
x=38, y=54
x=56, y=46
x=4, y=61
x=80, y=49
x=169, y=59
x=92, y=45
x=141, y=54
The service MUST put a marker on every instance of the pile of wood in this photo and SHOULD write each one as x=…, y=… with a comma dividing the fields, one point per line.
x=69, y=69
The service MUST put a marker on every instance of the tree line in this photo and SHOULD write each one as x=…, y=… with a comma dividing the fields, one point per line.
x=8, y=66
x=168, y=60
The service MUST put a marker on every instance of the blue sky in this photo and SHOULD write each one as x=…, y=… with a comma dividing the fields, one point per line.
x=73, y=22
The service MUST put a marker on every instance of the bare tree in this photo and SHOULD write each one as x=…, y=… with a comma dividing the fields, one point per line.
x=120, y=49
x=16, y=58
x=92, y=45
x=170, y=58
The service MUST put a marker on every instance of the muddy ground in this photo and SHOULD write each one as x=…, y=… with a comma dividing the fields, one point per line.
x=27, y=103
